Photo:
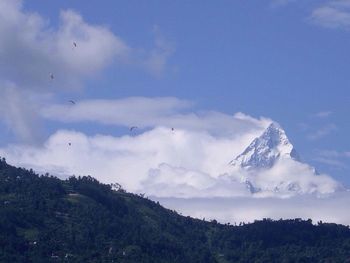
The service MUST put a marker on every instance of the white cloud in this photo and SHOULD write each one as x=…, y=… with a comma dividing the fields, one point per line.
x=31, y=49
x=129, y=111
x=151, y=112
x=18, y=110
x=167, y=181
x=333, y=14
x=179, y=163
x=244, y=209
x=300, y=177
x=132, y=160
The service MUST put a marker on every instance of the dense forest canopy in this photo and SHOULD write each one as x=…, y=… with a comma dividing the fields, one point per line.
x=45, y=219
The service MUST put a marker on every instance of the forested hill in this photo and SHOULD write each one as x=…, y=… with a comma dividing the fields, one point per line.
x=44, y=219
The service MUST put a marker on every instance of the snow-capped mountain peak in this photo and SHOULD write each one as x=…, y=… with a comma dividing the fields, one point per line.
x=271, y=166
x=265, y=150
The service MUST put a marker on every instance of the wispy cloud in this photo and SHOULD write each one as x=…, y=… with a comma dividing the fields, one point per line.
x=333, y=14
x=334, y=153
x=323, y=114
x=322, y=132
x=279, y=3
x=151, y=112
x=330, y=162
x=19, y=113
x=158, y=57
x=337, y=159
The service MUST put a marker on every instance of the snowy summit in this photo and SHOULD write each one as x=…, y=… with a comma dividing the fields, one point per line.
x=265, y=150
x=263, y=163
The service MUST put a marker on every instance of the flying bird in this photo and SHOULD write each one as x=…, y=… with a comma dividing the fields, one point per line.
x=172, y=129
x=74, y=44
x=72, y=101
x=133, y=128
x=70, y=144
x=52, y=76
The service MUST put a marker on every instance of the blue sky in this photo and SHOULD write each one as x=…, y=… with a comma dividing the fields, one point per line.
x=278, y=59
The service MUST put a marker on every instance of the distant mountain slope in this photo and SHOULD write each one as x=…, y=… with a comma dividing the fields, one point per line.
x=44, y=219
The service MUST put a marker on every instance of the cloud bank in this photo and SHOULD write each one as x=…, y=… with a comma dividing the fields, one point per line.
x=190, y=160
x=140, y=163
x=242, y=209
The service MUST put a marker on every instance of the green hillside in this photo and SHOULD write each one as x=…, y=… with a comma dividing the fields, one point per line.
x=44, y=219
